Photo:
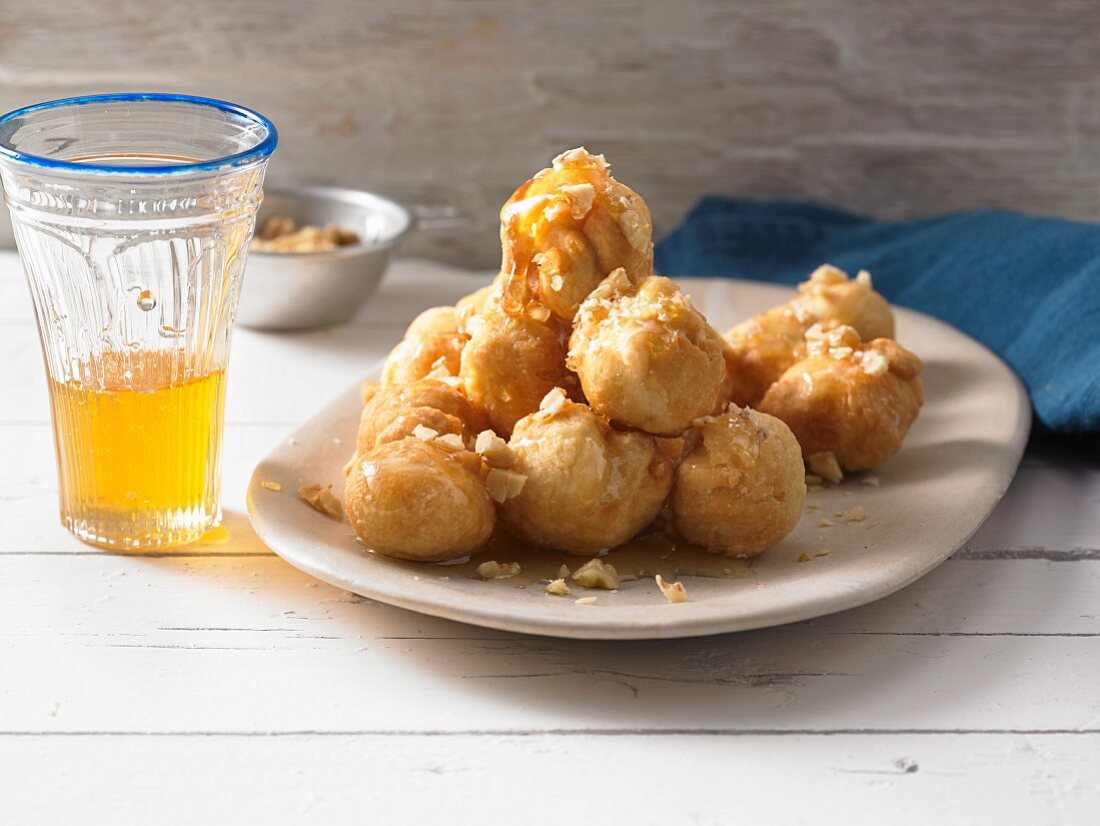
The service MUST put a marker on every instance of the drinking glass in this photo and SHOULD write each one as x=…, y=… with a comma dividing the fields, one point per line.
x=133, y=214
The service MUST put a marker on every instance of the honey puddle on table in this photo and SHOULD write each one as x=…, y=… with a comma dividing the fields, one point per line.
x=640, y=558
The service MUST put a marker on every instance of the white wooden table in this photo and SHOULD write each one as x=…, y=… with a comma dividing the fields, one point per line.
x=218, y=684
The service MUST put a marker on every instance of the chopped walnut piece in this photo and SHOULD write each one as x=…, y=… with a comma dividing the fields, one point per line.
x=498, y=570
x=585, y=601
x=635, y=229
x=822, y=552
x=553, y=401
x=673, y=591
x=869, y=481
x=826, y=523
x=504, y=484
x=321, y=499
x=494, y=450
x=563, y=572
x=825, y=465
x=581, y=197
x=804, y=557
x=557, y=588
x=449, y=441
x=874, y=363
x=424, y=433
x=282, y=234
x=273, y=486
x=596, y=573
x=857, y=514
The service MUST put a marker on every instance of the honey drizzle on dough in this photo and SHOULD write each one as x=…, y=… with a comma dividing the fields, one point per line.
x=520, y=281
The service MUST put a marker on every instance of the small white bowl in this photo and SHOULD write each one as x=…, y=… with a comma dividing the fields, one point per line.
x=302, y=290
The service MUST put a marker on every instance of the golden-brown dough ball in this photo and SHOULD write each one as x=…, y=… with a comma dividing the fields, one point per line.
x=434, y=320
x=567, y=229
x=854, y=400
x=588, y=486
x=413, y=499
x=741, y=486
x=395, y=412
x=646, y=358
x=760, y=350
x=368, y=390
x=432, y=346
x=568, y=269
x=509, y=364
x=832, y=298
x=470, y=308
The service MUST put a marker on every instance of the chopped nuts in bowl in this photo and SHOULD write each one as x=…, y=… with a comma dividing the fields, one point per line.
x=318, y=255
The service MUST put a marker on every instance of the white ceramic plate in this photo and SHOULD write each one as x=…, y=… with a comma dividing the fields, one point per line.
x=957, y=462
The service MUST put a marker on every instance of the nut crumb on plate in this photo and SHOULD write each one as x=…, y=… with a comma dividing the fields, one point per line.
x=557, y=588
x=857, y=514
x=826, y=466
x=321, y=499
x=273, y=486
x=804, y=557
x=585, y=601
x=498, y=570
x=596, y=573
x=673, y=591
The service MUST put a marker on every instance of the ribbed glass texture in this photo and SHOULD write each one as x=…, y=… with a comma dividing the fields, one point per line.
x=132, y=216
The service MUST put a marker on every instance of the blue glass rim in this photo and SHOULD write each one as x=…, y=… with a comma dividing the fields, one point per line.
x=258, y=152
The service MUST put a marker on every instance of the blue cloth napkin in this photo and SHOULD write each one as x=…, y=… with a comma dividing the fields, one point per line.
x=1027, y=287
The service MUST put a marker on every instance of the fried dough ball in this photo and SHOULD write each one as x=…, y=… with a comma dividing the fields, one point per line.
x=830, y=297
x=588, y=486
x=470, y=308
x=394, y=412
x=368, y=390
x=567, y=229
x=510, y=362
x=741, y=486
x=413, y=499
x=848, y=398
x=646, y=358
x=761, y=349
x=432, y=347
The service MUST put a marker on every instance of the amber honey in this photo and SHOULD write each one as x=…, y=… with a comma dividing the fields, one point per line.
x=138, y=439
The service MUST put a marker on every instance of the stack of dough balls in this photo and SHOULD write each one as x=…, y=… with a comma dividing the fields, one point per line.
x=579, y=398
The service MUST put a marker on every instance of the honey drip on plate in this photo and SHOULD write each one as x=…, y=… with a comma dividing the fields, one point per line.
x=641, y=558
